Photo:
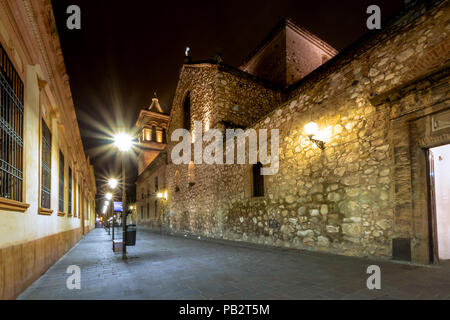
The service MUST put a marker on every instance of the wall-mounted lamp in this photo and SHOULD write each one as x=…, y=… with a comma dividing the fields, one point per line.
x=161, y=195
x=311, y=130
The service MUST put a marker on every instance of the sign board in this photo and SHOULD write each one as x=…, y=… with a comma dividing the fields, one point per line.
x=117, y=206
x=440, y=121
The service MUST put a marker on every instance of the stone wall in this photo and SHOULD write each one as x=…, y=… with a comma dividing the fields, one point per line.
x=344, y=199
x=148, y=205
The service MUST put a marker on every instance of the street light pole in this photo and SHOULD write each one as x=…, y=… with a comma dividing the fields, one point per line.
x=124, y=213
x=123, y=142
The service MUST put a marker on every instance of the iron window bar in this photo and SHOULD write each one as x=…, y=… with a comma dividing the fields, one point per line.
x=11, y=130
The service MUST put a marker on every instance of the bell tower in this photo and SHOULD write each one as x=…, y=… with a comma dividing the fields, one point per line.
x=152, y=123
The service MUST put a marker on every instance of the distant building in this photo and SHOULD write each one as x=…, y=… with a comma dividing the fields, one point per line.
x=47, y=184
x=152, y=161
x=381, y=106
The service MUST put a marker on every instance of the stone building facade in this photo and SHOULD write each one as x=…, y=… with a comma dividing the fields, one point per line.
x=152, y=160
x=376, y=104
x=47, y=184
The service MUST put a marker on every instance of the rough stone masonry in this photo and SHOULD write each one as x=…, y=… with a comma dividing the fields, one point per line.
x=366, y=193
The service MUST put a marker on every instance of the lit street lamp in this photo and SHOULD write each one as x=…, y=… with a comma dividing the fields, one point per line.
x=113, y=183
x=123, y=142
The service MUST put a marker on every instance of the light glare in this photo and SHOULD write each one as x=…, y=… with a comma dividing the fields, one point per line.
x=311, y=129
x=113, y=183
x=123, y=141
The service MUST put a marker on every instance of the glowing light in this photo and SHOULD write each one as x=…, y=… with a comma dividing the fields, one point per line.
x=108, y=196
x=113, y=183
x=106, y=203
x=159, y=136
x=311, y=129
x=131, y=207
x=123, y=141
x=161, y=195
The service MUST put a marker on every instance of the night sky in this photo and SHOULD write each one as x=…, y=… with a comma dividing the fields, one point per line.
x=127, y=50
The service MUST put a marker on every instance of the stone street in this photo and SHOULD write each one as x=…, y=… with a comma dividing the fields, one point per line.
x=173, y=267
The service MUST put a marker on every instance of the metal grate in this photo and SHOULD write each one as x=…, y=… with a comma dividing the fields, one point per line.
x=11, y=130
x=70, y=191
x=78, y=213
x=46, y=166
x=61, y=182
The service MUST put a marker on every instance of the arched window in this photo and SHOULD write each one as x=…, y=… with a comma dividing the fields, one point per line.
x=187, y=112
x=164, y=136
x=258, y=180
x=153, y=133
x=177, y=181
x=191, y=173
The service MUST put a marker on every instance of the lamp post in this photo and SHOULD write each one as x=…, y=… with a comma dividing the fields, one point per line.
x=112, y=184
x=123, y=142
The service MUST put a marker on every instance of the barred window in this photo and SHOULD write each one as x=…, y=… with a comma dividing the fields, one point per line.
x=156, y=183
x=61, y=182
x=187, y=112
x=11, y=130
x=70, y=191
x=258, y=181
x=46, y=166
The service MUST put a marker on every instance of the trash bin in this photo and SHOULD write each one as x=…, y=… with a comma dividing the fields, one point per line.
x=130, y=235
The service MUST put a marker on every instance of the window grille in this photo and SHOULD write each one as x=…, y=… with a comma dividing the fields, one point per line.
x=11, y=130
x=70, y=191
x=61, y=182
x=46, y=166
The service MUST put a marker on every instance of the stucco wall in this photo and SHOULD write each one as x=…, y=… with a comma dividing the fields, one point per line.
x=32, y=239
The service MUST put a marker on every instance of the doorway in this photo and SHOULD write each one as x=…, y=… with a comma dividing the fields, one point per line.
x=439, y=181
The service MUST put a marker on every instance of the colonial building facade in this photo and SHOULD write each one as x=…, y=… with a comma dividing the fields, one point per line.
x=47, y=184
x=381, y=106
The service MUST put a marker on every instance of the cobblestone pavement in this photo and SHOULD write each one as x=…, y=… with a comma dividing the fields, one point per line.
x=169, y=267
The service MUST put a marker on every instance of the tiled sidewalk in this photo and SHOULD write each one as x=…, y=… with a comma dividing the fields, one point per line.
x=168, y=267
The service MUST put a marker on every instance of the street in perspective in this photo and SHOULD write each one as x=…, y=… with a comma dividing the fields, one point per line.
x=214, y=158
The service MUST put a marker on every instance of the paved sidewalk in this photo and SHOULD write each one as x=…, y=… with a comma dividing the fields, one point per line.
x=168, y=267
